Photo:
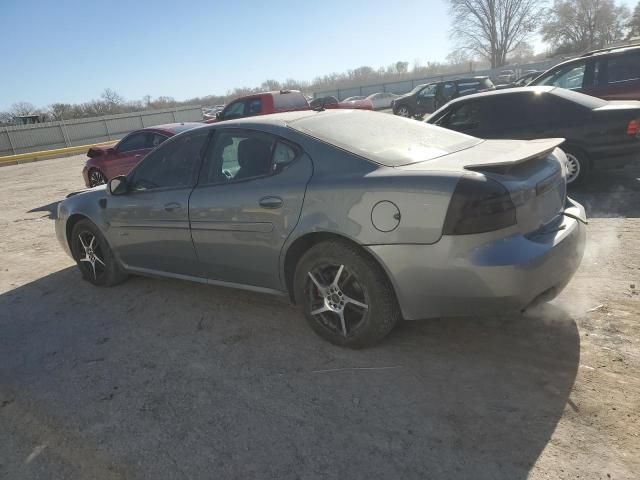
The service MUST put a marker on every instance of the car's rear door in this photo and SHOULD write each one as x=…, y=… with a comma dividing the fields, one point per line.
x=620, y=77
x=248, y=200
x=149, y=225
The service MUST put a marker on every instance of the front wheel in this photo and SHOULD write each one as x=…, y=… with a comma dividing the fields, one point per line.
x=346, y=296
x=96, y=177
x=404, y=111
x=94, y=256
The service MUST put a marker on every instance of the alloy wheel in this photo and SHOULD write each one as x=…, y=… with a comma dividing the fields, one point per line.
x=573, y=167
x=96, y=177
x=336, y=298
x=403, y=112
x=92, y=260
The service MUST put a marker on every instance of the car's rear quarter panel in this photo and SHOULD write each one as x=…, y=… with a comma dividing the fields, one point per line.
x=345, y=188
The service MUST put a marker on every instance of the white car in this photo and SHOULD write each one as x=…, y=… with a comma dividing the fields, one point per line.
x=382, y=99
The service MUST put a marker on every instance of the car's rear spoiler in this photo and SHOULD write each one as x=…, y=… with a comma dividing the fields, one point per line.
x=526, y=151
x=502, y=154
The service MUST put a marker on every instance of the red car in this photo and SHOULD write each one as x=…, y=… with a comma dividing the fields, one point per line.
x=263, y=104
x=107, y=162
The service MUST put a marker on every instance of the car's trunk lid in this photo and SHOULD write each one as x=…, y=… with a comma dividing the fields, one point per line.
x=530, y=170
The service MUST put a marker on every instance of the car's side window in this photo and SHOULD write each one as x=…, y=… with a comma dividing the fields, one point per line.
x=283, y=155
x=254, y=106
x=135, y=141
x=624, y=68
x=428, y=91
x=235, y=110
x=463, y=118
x=171, y=166
x=570, y=77
x=241, y=155
x=155, y=139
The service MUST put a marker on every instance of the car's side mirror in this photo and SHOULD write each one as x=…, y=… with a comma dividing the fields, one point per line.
x=118, y=185
x=219, y=115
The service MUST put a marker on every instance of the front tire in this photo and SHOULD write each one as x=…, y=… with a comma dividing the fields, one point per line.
x=96, y=177
x=94, y=257
x=346, y=297
x=404, y=111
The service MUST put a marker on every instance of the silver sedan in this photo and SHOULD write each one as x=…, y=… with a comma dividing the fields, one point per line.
x=361, y=219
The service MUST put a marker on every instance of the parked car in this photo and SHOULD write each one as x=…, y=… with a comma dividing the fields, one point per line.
x=599, y=134
x=429, y=97
x=352, y=99
x=333, y=102
x=262, y=104
x=360, y=218
x=527, y=77
x=109, y=161
x=382, y=100
x=610, y=74
x=506, y=76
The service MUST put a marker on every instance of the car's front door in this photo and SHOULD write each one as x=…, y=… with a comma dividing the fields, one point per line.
x=247, y=202
x=128, y=152
x=149, y=225
x=425, y=101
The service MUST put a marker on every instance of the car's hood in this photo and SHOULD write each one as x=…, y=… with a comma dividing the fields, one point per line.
x=489, y=153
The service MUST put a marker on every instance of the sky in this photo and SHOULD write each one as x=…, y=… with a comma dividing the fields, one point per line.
x=71, y=50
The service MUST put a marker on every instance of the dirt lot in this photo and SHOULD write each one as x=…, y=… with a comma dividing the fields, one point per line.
x=166, y=379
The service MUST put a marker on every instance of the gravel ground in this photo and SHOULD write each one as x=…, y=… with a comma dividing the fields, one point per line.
x=166, y=379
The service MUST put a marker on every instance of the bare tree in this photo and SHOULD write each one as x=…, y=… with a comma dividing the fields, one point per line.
x=578, y=25
x=19, y=109
x=493, y=28
x=60, y=111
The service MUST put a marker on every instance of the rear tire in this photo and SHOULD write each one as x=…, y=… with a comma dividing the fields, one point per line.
x=94, y=257
x=346, y=296
x=577, y=166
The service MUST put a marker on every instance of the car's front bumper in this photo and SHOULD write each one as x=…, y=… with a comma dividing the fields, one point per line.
x=61, y=228
x=458, y=276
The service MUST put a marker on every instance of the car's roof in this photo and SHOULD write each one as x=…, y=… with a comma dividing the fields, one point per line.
x=599, y=53
x=611, y=50
x=506, y=91
x=175, y=128
x=380, y=137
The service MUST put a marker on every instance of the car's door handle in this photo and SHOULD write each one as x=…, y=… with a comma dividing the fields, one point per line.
x=271, y=202
x=172, y=207
x=137, y=155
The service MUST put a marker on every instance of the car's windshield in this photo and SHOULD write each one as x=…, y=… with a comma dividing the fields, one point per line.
x=385, y=139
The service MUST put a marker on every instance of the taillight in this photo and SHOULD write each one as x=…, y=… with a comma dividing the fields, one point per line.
x=479, y=204
x=633, y=128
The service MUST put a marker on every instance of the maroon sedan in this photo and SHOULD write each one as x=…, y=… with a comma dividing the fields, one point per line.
x=110, y=161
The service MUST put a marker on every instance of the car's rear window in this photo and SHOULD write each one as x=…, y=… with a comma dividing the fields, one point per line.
x=289, y=101
x=579, y=98
x=382, y=138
